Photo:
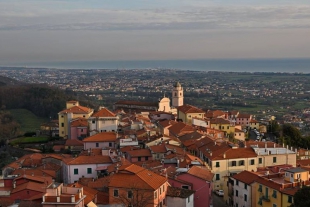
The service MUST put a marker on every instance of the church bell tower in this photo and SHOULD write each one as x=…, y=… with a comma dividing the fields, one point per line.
x=177, y=95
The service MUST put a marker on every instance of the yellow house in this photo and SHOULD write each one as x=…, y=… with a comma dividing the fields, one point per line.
x=278, y=191
x=254, y=124
x=187, y=112
x=73, y=110
x=223, y=125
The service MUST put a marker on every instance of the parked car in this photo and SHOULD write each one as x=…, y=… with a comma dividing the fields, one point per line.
x=219, y=192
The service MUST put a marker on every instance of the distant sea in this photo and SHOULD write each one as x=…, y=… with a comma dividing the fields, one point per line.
x=224, y=65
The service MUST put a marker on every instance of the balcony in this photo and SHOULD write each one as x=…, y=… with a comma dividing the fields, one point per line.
x=266, y=198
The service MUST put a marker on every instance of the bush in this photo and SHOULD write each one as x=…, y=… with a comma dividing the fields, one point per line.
x=30, y=134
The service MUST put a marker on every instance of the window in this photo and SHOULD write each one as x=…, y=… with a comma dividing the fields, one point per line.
x=89, y=171
x=237, y=182
x=260, y=160
x=159, y=191
x=241, y=162
x=274, y=159
x=62, y=124
x=188, y=199
x=217, y=164
x=217, y=176
x=290, y=199
x=139, y=158
x=97, y=144
x=252, y=162
x=245, y=186
x=76, y=171
x=227, y=127
x=266, y=192
x=274, y=205
x=155, y=195
x=81, y=130
x=129, y=194
x=237, y=193
x=146, y=158
x=115, y=192
x=245, y=197
x=110, y=144
x=184, y=186
x=274, y=194
x=260, y=188
x=163, y=188
x=298, y=176
x=233, y=163
x=93, y=121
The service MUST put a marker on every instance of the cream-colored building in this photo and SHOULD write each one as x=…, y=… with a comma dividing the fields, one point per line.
x=187, y=112
x=164, y=105
x=102, y=121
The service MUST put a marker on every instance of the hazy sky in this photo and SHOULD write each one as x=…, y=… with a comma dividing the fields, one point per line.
x=86, y=30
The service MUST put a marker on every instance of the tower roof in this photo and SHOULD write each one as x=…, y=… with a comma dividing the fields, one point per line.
x=177, y=84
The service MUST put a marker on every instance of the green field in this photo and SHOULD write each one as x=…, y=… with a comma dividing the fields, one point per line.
x=29, y=140
x=27, y=120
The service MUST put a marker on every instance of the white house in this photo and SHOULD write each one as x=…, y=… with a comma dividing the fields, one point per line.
x=84, y=166
x=102, y=121
x=180, y=197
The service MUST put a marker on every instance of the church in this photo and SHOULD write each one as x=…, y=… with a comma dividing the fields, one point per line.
x=162, y=105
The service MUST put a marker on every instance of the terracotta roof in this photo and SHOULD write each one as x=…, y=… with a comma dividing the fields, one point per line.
x=140, y=153
x=74, y=142
x=96, y=159
x=219, y=121
x=138, y=178
x=35, y=172
x=246, y=177
x=102, y=137
x=99, y=183
x=181, y=128
x=179, y=192
x=103, y=198
x=253, y=121
x=167, y=123
x=104, y=112
x=79, y=122
x=186, y=108
x=161, y=148
x=77, y=110
x=39, y=187
x=201, y=172
x=246, y=116
x=305, y=162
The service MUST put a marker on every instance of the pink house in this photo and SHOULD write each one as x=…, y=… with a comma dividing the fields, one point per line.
x=78, y=128
x=139, y=155
x=243, y=119
x=199, y=179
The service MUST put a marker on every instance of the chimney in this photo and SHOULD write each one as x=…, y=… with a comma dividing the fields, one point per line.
x=265, y=144
x=274, y=145
x=14, y=184
x=224, y=155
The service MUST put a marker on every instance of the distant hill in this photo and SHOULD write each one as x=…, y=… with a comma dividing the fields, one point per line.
x=42, y=100
x=5, y=81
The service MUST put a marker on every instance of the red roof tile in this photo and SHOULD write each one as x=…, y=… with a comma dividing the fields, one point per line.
x=96, y=159
x=102, y=137
x=77, y=110
x=201, y=172
x=186, y=108
x=104, y=112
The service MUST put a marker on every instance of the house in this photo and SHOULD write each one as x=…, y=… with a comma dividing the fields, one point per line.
x=102, y=121
x=187, y=112
x=73, y=110
x=164, y=126
x=240, y=189
x=180, y=128
x=79, y=128
x=132, y=184
x=100, y=140
x=243, y=119
x=254, y=124
x=222, y=124
x=239, y=134
x=139, y=155
x=198, y=179
x=84, y=166
x=279, y=189
x=74, y=145
x=180, y=197
x=57, y=194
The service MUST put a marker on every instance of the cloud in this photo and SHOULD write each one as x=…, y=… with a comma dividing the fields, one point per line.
x=208, y=17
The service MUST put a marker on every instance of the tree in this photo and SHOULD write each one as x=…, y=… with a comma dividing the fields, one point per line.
x=136, y=197
x=301, y=197
x=291, y=135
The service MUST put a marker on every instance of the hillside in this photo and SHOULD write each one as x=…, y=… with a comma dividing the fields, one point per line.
x=28, y=121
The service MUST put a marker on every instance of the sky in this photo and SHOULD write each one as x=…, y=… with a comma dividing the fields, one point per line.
x=98, y=30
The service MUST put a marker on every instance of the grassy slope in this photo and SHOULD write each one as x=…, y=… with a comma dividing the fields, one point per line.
x=28, y=121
